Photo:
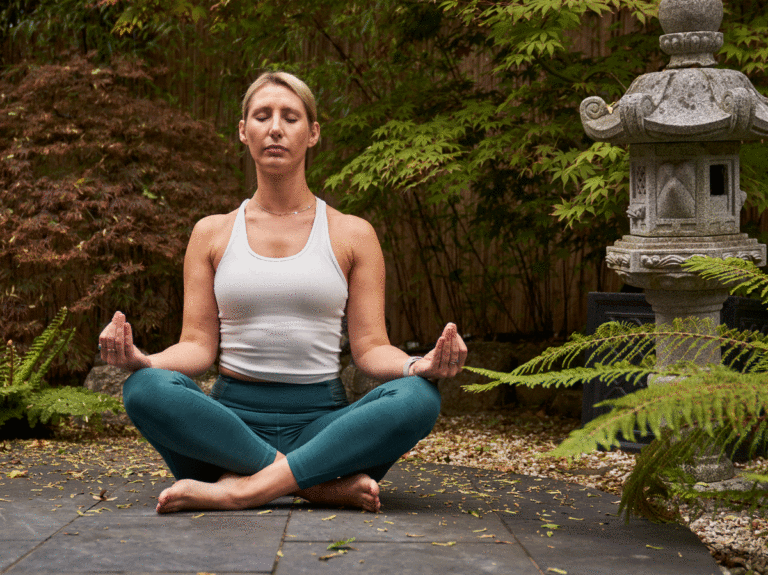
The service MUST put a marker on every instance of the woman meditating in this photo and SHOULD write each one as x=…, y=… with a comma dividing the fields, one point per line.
x=265, y=290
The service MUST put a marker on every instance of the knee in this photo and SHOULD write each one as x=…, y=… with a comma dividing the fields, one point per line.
x=419, y=400
x=142, y=391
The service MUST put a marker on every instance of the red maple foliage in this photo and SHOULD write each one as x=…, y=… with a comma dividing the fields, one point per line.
x=99, y=191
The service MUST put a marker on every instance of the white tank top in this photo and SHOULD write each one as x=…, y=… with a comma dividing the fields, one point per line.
x=280, y=318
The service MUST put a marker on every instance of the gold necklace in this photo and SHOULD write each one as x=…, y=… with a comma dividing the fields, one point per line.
x=284, y=213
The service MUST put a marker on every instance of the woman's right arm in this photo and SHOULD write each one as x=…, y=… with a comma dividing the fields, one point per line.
x=199, y=341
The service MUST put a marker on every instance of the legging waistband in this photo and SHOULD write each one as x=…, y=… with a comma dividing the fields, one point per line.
x=276, y=397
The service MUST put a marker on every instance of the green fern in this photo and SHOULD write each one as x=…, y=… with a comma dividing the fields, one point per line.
x=740, y=276
x=23, y=390
x=684, y=420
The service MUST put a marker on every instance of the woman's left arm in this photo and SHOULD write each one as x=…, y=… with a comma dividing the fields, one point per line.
x=371, y=349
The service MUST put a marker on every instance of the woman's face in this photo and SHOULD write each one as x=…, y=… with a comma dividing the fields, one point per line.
x=276, y=129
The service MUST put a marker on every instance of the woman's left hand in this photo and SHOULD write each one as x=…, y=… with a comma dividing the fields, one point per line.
x=446, y=360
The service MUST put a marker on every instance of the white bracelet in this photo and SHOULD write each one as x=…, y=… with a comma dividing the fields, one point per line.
x=411, y=360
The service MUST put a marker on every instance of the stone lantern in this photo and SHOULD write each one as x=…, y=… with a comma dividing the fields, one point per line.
x=684, y=126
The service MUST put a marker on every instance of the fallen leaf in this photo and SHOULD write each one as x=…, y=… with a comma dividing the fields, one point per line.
x=413, y=535
x=556, y=570
x=652, y=547
x=265, y=512
x=340, y=544
x=328, y=518
x=198, y=516
x=18, y=473
x=448, y=544
x=327, y=557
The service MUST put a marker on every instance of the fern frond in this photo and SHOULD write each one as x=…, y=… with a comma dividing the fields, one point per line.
x=737, y=275
x=606, y=374
x=620, y=341
x=7, y=364
x=43, y=351
x=48, y=405
x=732, y=400
x=645, y=487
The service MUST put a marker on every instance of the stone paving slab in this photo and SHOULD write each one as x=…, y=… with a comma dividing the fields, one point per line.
x=409, y=558
x=435, y=519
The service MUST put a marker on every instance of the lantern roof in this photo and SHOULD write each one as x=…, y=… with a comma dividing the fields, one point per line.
x=690, y=100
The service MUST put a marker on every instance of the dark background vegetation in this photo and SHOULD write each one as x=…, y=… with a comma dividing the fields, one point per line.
x=453, y=126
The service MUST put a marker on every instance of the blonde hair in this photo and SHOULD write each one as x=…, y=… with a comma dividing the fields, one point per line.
x=289, y=81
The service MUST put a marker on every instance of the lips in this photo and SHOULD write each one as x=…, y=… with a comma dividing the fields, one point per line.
x=275, y=148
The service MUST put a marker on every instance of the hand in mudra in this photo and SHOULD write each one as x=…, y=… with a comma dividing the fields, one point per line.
x=116, y=345
x=447, y=359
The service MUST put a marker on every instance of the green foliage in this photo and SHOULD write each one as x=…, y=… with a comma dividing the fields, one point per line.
x=453, y=126
x=24, y=392
x=683, y=419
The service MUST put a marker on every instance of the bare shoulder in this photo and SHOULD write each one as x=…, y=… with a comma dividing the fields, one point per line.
x=352, y=230
x=211, y=234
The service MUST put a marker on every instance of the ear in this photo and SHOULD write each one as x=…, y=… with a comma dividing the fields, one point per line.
x=241, y=131
x=314, y=134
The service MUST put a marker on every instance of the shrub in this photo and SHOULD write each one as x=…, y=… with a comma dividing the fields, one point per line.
x=101, y=191
x=24, y=392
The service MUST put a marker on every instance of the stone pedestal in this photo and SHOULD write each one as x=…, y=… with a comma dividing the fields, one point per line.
x=704, y=305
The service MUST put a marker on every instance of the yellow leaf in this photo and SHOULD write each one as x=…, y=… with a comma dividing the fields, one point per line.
x=328, y=518
x=198, y=516
x=448, y=544
x=558, y=571
x=264, y=512
x=652, y=547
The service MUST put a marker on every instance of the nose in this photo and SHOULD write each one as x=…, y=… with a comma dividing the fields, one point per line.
x=276, y=128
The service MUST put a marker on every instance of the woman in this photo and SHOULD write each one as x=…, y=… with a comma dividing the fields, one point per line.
x=265, y=289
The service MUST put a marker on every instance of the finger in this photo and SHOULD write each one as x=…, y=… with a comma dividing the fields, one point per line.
x=446, y=354
x=437, y=353
x=128, y=338
x=119, y=339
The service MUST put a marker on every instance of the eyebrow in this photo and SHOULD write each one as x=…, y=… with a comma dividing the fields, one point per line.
x=284, y=109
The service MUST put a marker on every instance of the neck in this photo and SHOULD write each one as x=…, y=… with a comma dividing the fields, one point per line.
x=280, y=193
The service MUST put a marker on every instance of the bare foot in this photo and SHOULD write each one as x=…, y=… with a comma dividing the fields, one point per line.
x=191, y=494
x=355, y=491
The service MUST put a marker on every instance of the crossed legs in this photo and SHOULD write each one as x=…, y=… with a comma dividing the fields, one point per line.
x=233, y=491
x=222, y=464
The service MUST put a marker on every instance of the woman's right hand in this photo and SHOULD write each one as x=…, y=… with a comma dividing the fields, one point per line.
x=116, y=345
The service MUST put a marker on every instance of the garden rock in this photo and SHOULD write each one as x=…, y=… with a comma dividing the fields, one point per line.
x=356, y=383
x=496, y=356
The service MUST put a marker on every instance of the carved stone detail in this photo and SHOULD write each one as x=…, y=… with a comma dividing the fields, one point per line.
x=634, y=109
x=739, y=104
x=750, y=256
x=691, y=48
x=614, y=260
x=660, y=262
x=676, y=196
x=593, y=108
x=636, y=212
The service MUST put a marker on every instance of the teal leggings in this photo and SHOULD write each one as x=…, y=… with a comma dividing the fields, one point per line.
x=240, y=427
